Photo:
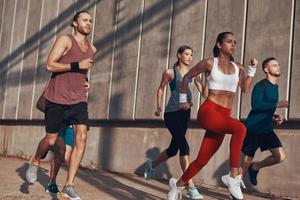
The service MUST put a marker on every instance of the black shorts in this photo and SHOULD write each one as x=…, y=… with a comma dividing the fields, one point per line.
x=264, y=141
x=59, y=116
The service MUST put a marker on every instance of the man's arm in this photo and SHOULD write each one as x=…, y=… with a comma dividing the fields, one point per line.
x=94, y=49
x=61, y=46
x=257, y=101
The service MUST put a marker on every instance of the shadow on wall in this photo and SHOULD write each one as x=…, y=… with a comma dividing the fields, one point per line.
x=105, y=150
x=44, y=34
x=41, y=37
x=161, y=172
x=222, y=170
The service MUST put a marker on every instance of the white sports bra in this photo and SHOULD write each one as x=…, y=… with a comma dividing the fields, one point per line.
x=217, y=80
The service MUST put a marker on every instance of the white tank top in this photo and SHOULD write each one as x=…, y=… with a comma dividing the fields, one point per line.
x=217, y=80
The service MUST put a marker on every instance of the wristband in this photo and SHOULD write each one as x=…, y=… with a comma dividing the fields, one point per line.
x=251, y=71
x=74, y=66
x=182, y=98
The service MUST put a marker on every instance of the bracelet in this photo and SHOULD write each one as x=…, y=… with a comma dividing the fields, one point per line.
x=251, y=71
x=74, y=66
x=182, y=98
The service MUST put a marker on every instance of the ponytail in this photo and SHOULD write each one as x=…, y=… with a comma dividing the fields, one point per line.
x=216, y=51
x=175, y=64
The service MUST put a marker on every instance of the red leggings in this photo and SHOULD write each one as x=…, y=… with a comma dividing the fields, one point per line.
x=216, y=120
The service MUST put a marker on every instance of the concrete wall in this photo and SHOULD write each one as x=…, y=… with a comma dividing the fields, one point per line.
x=137, y=41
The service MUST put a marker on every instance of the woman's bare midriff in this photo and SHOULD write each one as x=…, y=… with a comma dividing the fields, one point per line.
x=221, y=97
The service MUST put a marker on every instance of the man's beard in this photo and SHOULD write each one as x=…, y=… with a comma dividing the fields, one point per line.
x=275, y=74
x=81, y=30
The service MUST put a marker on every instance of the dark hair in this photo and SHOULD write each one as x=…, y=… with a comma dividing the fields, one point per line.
x=76, y=16
x=219, y=39
x=265, y=62
x=180, y=50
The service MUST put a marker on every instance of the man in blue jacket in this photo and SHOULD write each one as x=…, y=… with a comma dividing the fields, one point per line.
x=260, y=133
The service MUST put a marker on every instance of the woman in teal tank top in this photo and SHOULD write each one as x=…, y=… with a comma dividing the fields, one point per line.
x=176, y=119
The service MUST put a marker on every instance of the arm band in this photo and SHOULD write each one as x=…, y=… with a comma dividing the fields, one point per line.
x=74, y=66
x=251, y=71
x=182, y=98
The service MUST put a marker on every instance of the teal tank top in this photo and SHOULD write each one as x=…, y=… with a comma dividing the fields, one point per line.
x=175, y=86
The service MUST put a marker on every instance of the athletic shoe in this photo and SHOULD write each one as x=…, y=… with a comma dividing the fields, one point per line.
x=69, y=192
x=31, y=173
x=193, y=193
x=149, y=172
x=174, y=193
x=234, y=186
x=52, y=188
x=252, y=175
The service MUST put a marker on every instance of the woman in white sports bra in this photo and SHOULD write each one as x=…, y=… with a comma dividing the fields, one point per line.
x=214, y=115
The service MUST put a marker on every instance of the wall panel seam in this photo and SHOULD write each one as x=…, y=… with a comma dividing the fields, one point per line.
x=168, y=56
x=239, y=103
x=9, y=54
x=112, y=60
x=92, y=37
x=22, y=60
x=37, y=59
x=203, y=45
x=290, y=58
x=138, y=61
x=2, y=20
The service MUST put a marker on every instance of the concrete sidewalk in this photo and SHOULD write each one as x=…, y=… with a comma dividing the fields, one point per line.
x=91, y=185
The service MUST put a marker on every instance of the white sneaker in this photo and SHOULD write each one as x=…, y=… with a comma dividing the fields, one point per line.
x=193, y=193
x=234, y=186
x=174, y=193
x=31, y=173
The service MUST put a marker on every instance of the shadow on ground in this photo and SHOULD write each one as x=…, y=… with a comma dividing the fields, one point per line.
x=43, y=179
